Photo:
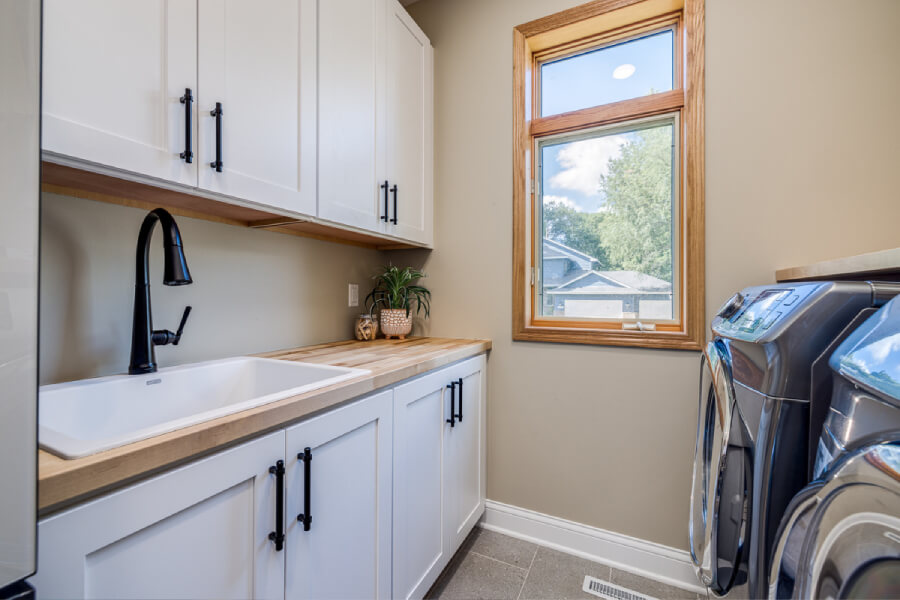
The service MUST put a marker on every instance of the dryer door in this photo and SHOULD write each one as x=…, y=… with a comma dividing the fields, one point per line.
x=721, y=487
x=852, y=547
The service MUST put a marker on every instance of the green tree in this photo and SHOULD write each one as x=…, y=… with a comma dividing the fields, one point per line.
x=578, y=230
x=636, y=229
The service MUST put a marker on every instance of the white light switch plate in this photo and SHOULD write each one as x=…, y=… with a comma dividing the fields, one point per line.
x=353, y=295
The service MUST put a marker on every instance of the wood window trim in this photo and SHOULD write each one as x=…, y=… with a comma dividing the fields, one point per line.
x=567, y=32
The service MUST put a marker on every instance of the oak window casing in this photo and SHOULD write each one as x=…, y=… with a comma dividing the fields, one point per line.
x=583, y=29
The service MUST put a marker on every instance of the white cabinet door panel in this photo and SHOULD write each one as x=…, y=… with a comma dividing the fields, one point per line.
x=347, y=551
x=199, y=531
x=250, y=62
x=113, y=73
x=466, y=452
x=408, y=129
x=350, y=88
x=421, y=546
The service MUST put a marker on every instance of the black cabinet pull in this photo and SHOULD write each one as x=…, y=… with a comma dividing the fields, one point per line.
x=452, y=419
x=384, y=186
x=394, y=192
x=277, y=536
x=459, y=415
x=187, y=100
x=217, y=113
x=306, y=516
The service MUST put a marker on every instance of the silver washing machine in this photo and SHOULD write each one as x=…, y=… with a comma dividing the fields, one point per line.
x=840, y=537
x=767, y=359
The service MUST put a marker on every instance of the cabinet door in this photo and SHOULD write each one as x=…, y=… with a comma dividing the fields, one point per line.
x=113, y=73
x=200, y=531
x=350, y=86
x=421, y=545
x=257, y=60
x=346, y=553
x=409, y=125
x=465, y=455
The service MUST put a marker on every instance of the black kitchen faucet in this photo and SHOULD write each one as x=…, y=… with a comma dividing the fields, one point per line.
x=143, y=336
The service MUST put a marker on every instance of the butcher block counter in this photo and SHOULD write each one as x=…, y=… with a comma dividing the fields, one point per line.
x=63, y=482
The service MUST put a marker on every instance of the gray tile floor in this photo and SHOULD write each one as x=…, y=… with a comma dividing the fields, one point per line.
x=491, y=566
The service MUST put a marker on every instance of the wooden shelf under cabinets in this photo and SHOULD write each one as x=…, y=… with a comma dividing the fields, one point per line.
x=69, y=181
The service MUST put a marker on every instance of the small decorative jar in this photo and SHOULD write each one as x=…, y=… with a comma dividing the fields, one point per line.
x=395, y=323
x=366, y=328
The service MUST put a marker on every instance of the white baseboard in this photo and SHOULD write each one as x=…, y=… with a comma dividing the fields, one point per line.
x=647, y=559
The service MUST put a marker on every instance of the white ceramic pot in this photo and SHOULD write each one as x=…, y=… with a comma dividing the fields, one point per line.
x=395, y=322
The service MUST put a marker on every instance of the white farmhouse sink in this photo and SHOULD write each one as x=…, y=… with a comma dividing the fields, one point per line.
x=83, y=417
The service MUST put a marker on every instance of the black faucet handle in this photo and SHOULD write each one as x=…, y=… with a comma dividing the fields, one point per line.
x=184, y=317
x=162, y=337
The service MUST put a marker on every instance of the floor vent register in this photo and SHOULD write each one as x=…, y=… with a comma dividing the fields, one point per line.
x=607, y=590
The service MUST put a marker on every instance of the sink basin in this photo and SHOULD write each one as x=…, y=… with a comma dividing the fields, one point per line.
x=79, y=418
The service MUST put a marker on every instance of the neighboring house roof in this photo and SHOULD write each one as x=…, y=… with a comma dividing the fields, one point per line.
x=638, y=280
x=555, y=250
x=612, y=283
x=580, y=278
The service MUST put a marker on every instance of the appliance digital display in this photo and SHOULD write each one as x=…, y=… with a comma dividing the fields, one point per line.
x=761, y=306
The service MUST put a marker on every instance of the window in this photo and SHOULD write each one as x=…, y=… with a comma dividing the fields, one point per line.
x=608, y=174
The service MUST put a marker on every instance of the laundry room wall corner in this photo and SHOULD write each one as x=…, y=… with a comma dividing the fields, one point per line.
x=801, y=147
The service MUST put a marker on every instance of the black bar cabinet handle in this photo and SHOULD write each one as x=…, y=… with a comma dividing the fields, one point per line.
x=277, y=536
x=217, y=113
x=306, y=516
x=459, y=416
x=187, y=100
x=394, y=192
x=452, y=419
x=384, y=186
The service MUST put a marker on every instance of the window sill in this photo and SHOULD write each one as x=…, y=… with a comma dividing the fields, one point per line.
x=677, y=340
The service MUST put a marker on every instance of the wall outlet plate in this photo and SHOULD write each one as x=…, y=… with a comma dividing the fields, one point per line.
x=353, y=295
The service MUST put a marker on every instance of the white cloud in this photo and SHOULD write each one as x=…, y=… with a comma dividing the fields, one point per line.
x=548, y=199
x=583, y=163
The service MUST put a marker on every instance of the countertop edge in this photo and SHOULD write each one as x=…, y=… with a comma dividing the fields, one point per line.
x=62, y=483
x=869, y=264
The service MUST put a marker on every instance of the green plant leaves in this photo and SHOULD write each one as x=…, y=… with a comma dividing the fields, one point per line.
x=394, y=289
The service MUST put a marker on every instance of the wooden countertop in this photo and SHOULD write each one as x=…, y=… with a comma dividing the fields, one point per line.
x=884, y=264
x=63, y=482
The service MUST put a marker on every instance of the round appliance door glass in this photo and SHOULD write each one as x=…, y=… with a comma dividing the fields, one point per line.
x=853, y=543
x=717, y=528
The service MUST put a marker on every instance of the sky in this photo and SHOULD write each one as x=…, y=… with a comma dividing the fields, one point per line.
x=571, y=171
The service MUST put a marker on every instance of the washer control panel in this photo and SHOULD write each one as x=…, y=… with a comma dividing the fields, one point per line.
x=751, y=313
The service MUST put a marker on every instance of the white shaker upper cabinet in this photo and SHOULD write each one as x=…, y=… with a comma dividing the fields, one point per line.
x=256, y=63
x=409, y=127
x=350, y=89
x=113, y=74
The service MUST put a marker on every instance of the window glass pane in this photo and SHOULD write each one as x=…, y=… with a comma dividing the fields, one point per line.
x=627, y=70
x=607, y=206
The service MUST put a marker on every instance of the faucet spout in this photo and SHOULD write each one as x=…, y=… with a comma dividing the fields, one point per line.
x=143, y=337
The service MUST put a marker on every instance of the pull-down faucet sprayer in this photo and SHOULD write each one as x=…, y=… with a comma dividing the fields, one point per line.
x=143, y=337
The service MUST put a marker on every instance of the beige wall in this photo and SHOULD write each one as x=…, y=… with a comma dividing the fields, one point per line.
x=253, y=290
x=802, y=165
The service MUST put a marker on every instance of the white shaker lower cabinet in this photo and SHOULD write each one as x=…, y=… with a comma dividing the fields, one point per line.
x=439, y=471
x=465, y=458
x=377, y=496
x=199, y=531
x=339, y=503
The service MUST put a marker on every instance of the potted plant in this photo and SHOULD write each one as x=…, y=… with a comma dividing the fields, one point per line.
x=395, y=293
